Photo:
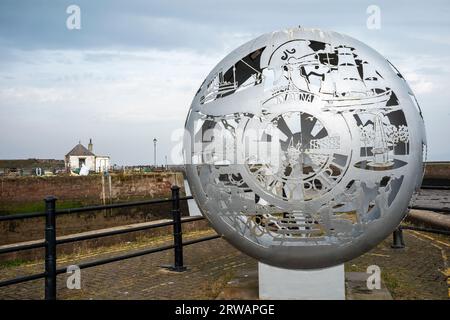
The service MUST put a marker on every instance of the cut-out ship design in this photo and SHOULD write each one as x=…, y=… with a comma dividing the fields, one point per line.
x=343, y=89
x=218, y=86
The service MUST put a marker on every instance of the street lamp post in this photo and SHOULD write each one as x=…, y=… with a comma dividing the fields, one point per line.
x=154, y=151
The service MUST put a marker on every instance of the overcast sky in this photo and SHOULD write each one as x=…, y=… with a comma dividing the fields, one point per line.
x=129, y=74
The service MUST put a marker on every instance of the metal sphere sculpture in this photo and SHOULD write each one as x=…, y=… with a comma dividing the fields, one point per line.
x=304, y=148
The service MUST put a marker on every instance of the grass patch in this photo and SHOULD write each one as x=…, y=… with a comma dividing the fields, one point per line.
x=400, y=289
x=350, y=267
x=12, y=263
x=391, y=282
x=37, y=206
x=212, y=289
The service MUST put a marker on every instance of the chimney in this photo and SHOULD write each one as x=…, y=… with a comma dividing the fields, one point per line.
x=90, y=146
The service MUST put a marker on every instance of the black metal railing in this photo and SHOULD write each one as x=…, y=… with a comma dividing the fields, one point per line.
x=397, y=236
x=50, y=243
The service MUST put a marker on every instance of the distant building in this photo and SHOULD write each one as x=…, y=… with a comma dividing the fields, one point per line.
x=80, y=155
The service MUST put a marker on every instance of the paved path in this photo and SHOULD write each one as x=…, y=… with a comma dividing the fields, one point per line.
x=417, y=272
x=210, y=265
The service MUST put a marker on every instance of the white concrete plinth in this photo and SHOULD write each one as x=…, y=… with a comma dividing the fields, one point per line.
x=286, y=284
x=192, y=205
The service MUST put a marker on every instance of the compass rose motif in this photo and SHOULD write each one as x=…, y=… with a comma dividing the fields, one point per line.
x=308, y=165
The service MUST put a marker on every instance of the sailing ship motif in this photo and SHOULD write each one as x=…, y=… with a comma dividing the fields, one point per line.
x=344, y=89
x=242, y=75
x=218, y=86
x=349, y=83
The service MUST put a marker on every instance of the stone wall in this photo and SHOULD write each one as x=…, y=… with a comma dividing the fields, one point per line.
x=437, y=170
x=88, y=189
x=26, y=194
x=437, y=174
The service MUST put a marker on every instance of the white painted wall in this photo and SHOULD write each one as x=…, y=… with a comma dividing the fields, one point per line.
x=74, y=162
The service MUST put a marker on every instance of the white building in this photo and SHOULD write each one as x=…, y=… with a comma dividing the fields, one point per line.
x=80, y=155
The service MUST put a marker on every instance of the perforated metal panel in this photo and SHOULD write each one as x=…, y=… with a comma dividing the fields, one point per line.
x=304, y=147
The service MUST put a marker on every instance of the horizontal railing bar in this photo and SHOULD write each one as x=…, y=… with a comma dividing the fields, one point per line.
x=112, y=233
x=186, y=243
x=22, y=279
x=135, y=254
x=118, y=205
x=23, y=247
x=98, y=235
x=430, y=208
x=431, y=230
x=110, y=206
x=193, y=218
x=9, y=217
x=20, y=216
x=117, y=258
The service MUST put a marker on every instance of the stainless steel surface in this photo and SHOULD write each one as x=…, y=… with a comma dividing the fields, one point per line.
x=303, y=148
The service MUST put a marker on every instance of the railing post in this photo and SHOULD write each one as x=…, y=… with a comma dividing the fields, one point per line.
x=397, y=239
x=177, y=233
x=50, y=248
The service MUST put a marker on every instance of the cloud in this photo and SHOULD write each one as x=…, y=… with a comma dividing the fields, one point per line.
x=418, y=83
x=426, y=74
x=130, y=73
x=105, y=94
x=153, y=84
